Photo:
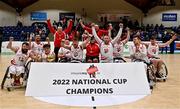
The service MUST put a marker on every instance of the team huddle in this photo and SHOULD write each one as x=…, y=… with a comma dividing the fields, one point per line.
x=97, y=47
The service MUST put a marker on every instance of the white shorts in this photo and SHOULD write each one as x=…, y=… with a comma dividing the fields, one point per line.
x=16, y=70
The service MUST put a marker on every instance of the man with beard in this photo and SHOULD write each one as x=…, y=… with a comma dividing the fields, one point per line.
x=37, y=47
x=18, y=62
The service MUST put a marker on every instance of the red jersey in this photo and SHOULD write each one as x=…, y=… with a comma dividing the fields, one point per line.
x=100, y=32
x=57, y=36
x=92, y=49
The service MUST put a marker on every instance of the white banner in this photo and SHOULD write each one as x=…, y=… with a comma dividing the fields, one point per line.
x=64, y=79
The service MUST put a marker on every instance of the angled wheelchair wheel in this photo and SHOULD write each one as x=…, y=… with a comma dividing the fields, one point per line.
x=26, y=70
x=5, y=77
x=163, y=73
x=151, y=75
x=119, y=60
x=76, y=61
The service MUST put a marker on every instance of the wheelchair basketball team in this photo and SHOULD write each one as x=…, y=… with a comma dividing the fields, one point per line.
x=97, y=47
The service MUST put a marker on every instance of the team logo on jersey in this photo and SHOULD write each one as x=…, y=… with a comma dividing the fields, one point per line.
x=154, y=51
x=118, y=49
x=75, y=54
x=92, y=71
x=21, y=59
x=106, y=50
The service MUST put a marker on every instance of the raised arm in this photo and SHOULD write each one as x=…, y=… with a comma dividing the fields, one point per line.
x=85, y=27
x=14, y=49
x=51, y=28
x=128, y=36
x=107, y=32
x=69, y=28
x=118, y=35
x=48, y=41
x=168, y=42
x=84, y=43
x=96, y=36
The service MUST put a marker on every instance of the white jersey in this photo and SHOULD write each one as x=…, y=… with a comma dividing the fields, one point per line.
x=153, y=50
x=65, y=52
x=44, y=56
x=118, y=50
x=20, y=59
x=107, y=52
x=37, y=48
x=139, y=52
x=77, y=53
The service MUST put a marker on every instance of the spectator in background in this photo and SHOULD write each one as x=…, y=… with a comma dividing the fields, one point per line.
x=165, y=38
x=130, y=24
x=178, y=29
x=161, y=27
x=23, y=36
x=43, y=35
x=32, y=35
x=44, y=29
x=151, y=28
x=55, y=25
x=63, y=23
x=172, y=44
x=156, y=28
x=136, y=24
x=147, y=27
x=125, y=21
x=37, y=29
x=19, y=24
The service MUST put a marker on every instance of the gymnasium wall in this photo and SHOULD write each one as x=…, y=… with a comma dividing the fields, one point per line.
x=92, y=8
x=52, y=14
x=155, y=15
x=7, y=15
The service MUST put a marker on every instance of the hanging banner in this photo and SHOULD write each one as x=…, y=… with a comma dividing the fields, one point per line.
x=39, y=16
x=67, y=16
x=169, y=17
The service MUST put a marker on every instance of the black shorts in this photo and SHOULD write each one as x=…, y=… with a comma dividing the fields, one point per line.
x=92, y=58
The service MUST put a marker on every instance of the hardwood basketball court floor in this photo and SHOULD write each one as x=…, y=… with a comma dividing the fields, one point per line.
x=166, y=95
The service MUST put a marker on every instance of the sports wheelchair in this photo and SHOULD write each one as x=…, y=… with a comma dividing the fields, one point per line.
x=119, y=60
x=7, y=79
x=150, y=69
x=163, y=73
